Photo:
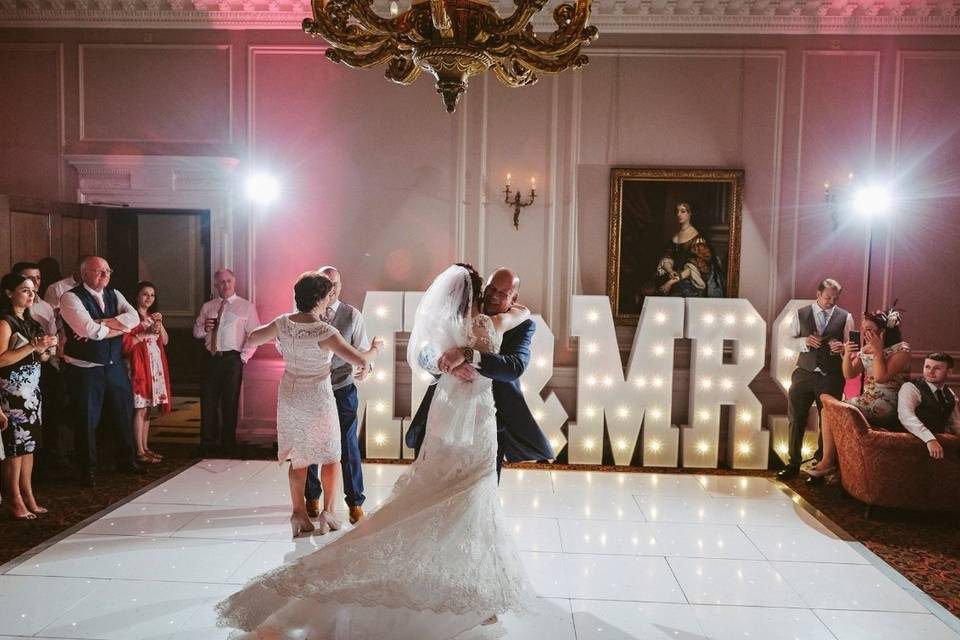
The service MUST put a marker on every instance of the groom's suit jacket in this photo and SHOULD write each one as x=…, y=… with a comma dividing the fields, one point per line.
x=518, y=435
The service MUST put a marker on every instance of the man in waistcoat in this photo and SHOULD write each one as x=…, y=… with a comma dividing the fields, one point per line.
x=926, y=406
x=95, y=317
x=820, y=332
x=349, y=322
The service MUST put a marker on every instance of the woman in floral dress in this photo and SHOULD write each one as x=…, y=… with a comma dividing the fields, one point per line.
x=145, y=350
x=884, y=362
x=22, y=348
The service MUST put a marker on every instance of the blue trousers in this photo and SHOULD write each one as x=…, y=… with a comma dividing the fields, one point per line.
x=93, y=391
x=349, y=452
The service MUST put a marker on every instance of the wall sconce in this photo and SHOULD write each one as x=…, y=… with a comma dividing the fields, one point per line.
x=836, y=198
x=517, y=201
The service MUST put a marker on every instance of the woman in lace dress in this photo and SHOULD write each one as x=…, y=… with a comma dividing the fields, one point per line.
x=308, y=427
x=436, y=559
x=884, y=362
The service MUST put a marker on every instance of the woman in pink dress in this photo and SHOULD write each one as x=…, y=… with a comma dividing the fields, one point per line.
x=308, y=426
x=145, y=350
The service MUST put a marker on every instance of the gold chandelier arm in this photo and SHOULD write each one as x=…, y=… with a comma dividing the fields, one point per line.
x=514, y=75
x=514, y=23
x=363, y=60
x=402, y=70
x=346, y=40
x=545, y=64
x=441, y=20
x=555, y=45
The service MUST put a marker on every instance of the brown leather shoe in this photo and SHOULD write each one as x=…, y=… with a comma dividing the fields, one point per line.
x=356, y=513
x=313, y=508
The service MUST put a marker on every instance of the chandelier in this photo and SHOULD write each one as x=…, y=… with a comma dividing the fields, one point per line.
x=453, y=40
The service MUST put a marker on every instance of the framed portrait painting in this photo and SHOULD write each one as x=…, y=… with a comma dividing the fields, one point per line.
x=673, y=232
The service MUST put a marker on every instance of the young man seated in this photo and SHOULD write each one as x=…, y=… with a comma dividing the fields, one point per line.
x=927, y=407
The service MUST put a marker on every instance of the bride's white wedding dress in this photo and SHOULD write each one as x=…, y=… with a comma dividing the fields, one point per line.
x=435, y=560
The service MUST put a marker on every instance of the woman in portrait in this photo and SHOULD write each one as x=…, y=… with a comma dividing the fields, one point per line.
x=687, y=268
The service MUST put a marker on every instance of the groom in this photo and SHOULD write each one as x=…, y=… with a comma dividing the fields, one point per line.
x=519, y=438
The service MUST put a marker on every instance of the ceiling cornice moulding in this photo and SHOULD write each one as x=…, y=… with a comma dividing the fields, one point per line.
x=860, y=17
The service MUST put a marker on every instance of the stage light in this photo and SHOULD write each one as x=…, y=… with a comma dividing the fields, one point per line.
x=262, y=188
x=872, y=200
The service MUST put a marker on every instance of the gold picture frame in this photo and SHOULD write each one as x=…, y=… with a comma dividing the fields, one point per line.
x=647, y=236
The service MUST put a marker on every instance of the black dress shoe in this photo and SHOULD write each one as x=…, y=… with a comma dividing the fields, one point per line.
x=789, y=472
x=130, y=468
x=815, y=480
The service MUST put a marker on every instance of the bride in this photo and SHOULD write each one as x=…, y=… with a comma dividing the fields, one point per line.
x=436, y=559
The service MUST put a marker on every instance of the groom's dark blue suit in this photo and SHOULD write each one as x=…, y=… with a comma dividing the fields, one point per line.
x=519, y=438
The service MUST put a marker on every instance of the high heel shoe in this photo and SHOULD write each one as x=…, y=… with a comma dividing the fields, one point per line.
x=330, y=520
x=821, y=471
x=300, y=525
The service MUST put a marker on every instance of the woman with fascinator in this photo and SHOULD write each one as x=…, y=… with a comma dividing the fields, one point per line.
x=884, y=362
x=436, y=559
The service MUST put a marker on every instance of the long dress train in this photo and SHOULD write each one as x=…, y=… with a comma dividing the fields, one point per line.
x=435, y=560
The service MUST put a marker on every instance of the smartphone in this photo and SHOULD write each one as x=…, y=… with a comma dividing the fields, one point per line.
x=855, y=337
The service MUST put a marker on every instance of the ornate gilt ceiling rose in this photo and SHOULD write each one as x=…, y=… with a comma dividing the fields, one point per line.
x=453, y=40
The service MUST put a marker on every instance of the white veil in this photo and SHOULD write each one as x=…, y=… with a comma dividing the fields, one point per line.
x=443, y=317
x=443, y=321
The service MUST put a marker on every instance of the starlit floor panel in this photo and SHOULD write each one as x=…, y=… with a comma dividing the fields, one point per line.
x=617, y=555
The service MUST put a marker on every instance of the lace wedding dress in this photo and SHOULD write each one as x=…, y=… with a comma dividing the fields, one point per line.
x=308, y=426
x=434, y=561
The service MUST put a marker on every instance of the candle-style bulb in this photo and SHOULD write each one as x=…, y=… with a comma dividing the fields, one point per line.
x=394, y=8
x=508, y=179
x=533, y=183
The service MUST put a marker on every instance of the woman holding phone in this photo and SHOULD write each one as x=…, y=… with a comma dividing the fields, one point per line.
x=884, y=362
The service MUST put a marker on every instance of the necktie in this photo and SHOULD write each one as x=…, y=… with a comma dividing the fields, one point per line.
x=823, y=322
x=328, y=314
x=216, y=327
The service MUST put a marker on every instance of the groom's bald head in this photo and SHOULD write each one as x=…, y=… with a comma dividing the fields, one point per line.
x=501, y=291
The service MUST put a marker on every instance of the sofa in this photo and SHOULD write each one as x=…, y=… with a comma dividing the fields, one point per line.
x=887, y=469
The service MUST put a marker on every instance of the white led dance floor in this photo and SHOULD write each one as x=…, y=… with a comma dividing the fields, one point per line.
x=619, y=556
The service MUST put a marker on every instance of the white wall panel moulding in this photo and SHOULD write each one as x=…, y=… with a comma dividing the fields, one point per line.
x=893, y=17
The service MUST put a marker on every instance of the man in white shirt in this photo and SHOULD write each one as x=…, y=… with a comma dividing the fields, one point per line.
x=56, y=290
x=51, y=458
x=927, y=406
x=819, y=333
x=95, y=317
x=223, y=325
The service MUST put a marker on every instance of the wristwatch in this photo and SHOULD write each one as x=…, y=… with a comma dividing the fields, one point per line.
x=468, y=354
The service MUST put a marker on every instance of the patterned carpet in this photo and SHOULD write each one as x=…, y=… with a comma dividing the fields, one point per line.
x=924, y=547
